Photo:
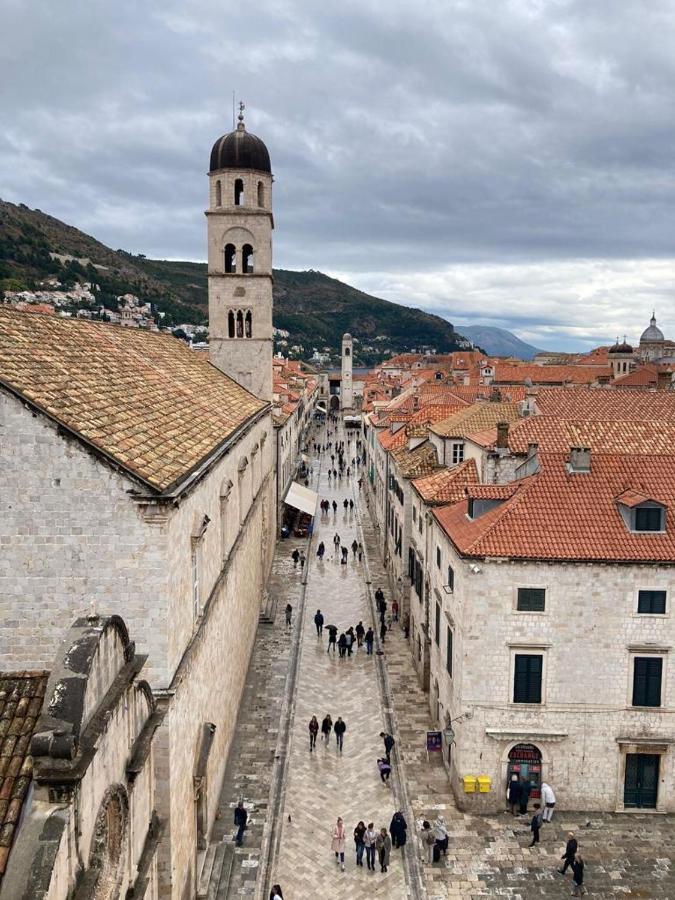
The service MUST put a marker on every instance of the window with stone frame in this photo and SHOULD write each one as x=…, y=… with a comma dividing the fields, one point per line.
x=647, y=679
x=448, y=650
x=437, y=629
x=531, y=599
x=651, y=602
x=457, y=453
x=527, y=678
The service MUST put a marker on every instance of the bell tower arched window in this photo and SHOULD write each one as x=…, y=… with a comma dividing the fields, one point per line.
x=261, y=194
x=238, y=192
x=348, y=352
x=240, y=324
x=247, y=259
x=230, y=259
x=248, y=325
x=230, y=324
x=219, y=193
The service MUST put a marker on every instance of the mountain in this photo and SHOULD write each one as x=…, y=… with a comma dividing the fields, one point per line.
x=498, y=341
x=316, y=310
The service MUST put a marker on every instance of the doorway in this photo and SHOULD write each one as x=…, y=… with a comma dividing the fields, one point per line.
x=641, y=783
x=525, y=761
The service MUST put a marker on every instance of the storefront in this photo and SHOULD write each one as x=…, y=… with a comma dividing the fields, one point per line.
x=525, y=761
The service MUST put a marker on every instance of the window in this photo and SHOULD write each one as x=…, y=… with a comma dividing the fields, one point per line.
x=438, y=557
x=347, y=351
x=219, y=193
x=238, y=192
x=230, y=324
x=437, y=630
x=195, y=563
x=414, y=514
x=531, y=599
x=261, y=194
x=652, y=602
x=648, y=518
x=248, y=325
x=647, y=672
x=421, y=524
x=448, y=651
x=451, y=579
x=240, y=324
x=230, y=261
x=457, y=454
x=247, y=259
x=527, y=678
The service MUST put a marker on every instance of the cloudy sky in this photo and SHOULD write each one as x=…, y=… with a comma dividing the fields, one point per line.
x=508, y=162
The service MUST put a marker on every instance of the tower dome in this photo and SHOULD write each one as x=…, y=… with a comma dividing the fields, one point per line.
x=240, y=150
x=652, y=333
x=623, y=347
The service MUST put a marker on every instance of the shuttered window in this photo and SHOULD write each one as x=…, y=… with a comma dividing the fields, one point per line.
x=438, y=625
x=647, y=674
x=652, y=602
x=448, y=652
x=531, y=599
x=527, y=679
x=451, y=578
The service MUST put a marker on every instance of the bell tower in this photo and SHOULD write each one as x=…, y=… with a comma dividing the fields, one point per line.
x=346, y=385
x=239, y=224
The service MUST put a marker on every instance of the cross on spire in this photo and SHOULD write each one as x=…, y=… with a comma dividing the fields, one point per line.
x=242, y=107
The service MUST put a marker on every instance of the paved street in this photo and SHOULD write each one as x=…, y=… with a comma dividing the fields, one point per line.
x=626, y=856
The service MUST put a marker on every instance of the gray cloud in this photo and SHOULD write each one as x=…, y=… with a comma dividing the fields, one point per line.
x=508, y=161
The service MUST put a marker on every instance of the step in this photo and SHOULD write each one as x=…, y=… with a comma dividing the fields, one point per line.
x=207, y=869
x=219, y=888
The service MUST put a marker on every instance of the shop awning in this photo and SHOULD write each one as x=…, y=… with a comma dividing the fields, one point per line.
x=301, y=498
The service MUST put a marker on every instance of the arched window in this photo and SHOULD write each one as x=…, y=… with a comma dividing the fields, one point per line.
x=248, y=325
x=230, y=259
x=247, y=259
x=219, y=193
x=230, y=324
x=238, y=192
x=240, y=324
x=261, y=194
x=348, y=352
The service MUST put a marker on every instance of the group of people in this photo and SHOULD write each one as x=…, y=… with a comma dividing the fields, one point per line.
x=370, y=842
x=327, y=726
x=352, y=637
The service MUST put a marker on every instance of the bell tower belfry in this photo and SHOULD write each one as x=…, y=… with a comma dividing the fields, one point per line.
x=346, y=385
x=239, y=225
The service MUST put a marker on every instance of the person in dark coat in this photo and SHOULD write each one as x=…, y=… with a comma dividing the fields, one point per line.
x=535, y=825
x=342, y=645
x=571, y=848
x=240, y=820
x=578, y=880
x=388, y=746
x=383, y=631
x=332, y=637
x=369, y=638
x=525, y=789
x=513, y=794
x=397, y=829
x=318, y=621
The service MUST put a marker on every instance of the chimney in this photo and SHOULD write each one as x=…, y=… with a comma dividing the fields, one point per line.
x=580, y=460
x=502, y=435
x=664, y=381
x=532, y=450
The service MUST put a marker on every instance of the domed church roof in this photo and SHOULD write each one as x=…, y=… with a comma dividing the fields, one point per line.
x=623, y=347
x=240, y=150
x=652, y=333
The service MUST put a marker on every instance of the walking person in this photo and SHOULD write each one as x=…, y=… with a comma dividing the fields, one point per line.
x=313, y=731
x=338, y=843
x=388, y=746
x=394, y=610
x=240, y=820
x=289, y=614
x=345, y=504
x=349, y=637
x=351, y=502
x=578, y=879
x=320, y=550
x=334, y=501
x=342, y=645
x=295, y=556
x=302, y=561
x=428, y=841
x=398, y=828
x=548, y=799
x=345, y=556
x=318, y=621
x=360, y=631
x=332, y=637
x=355, y=547
x=383, y=847
x=326, y=728
x=383, y=630
x=384, y=769
x=513, y=794
x=441, y=837
x=359, y=834
x=339, y=728
x=571, y=848
x=525, y=789
x=535, y=825
x=369, y=839
x=360, y=550
x=369, y=639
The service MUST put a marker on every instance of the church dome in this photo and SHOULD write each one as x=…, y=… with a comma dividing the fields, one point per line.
x=652, y=334
x=346, y=336
x=240, y=150
x=623, y=347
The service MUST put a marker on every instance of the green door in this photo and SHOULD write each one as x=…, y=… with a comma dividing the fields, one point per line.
x=642, y=779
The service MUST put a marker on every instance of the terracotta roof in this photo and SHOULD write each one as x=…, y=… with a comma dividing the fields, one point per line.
x=601, y=404
x=562, y=516
x=21, y=698
x=447, y=485
x=390, y=440
x=413, y=463
x=554, y=435
x=509, y=374
x=143, y=398
x=494, y=491
x=476, y=418
x=632, y=498
x=645, y=376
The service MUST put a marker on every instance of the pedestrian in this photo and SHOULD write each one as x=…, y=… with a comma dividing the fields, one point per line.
x=351, y=502
x=578, y=879
x=318, y=621
x=428, y=841
x=329, y=475
x=302, y=561
x=345, y=556
x=548, y=799
x=360, y=551
x=295, y=556
x=513, y=793
x=384, y=769
x=338, y=843
x=394, y=610
x=275, y=893
x=355, y=547
x=571, y=848
x=240, y=820
x=313, y=731
x=525, y=788
x=360, y=631
x=383, y=630
x=326, y=728
x=349, y=637
x=441, y=836
x=321, y=549
x=289, y=614
x=334, y=502
x=332, y=637
x=535, y=825
x=398, y=828
x=336, y=540
x=339, y=728
x=369, y=638
x=334, y=477
x=388, y=745
x=359, y=833
x=383, y=847
x=345, y=503
x=379, y=596
x=342, y=645
x=369, y=839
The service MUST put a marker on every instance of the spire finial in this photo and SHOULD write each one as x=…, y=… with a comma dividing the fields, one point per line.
x=240, y=117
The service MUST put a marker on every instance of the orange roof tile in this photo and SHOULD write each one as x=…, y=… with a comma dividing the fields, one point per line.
x=509, y=374
x=476, y=418
x=557, y=435
x=447, y=485
x=413, y=463
x=602, y=404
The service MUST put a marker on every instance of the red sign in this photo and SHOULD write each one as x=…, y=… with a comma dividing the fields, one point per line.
x=434, y=741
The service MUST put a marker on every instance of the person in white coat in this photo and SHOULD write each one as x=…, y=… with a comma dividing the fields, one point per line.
x=547, y=801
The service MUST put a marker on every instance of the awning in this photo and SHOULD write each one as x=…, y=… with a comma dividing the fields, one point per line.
x=301, y=498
